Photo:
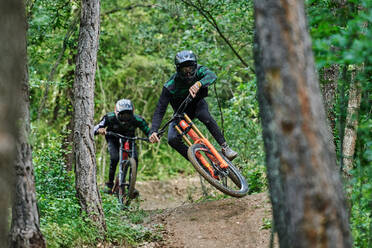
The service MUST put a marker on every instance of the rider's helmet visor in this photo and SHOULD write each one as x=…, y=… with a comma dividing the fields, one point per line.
x=188, y=72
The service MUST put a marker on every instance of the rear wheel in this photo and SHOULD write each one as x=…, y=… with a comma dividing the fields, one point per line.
x=228, y=180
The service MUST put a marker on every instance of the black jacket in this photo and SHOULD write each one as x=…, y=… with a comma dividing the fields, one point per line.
x=127, y=129
x=176, y=90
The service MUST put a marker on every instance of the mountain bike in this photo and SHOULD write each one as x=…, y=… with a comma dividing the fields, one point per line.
x=125, y=181
x=208, y=162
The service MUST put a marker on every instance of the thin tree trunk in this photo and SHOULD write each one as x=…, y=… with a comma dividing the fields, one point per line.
x=68, y=140
x=25, y=227
x=305, y=188
x=57, y=107
x=351, y=126
x=329, y=89
x=85, y=158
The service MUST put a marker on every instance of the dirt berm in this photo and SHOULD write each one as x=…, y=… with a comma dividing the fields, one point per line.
x=183, y=222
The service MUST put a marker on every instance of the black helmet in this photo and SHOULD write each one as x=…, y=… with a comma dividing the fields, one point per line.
x=186, y=64
x=124, y=110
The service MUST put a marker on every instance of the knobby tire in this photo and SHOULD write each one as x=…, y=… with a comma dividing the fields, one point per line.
x=125, y=195
x=240, y=184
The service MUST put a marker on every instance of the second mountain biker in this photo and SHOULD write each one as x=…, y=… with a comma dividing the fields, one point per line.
x=123, y=121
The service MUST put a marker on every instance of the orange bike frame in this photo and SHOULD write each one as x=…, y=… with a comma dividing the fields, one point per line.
x=199, y=138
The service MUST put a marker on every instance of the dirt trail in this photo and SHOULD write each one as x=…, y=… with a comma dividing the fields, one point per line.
x=224, y=223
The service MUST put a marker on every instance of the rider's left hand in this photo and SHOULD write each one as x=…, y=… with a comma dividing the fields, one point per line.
x=101, y=131
x=194, y=89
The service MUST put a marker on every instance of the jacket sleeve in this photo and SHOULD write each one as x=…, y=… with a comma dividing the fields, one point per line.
x=142, y=124
x=207, y=77
x=160, y=109
x=101, y=124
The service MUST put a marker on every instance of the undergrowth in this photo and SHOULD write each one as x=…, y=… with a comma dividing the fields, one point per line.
x=62, y=222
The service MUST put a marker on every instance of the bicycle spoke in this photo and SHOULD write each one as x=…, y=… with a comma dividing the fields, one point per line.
x=228, y=180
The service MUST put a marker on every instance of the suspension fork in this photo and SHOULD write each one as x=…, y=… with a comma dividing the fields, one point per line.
x=196, y=138
x=123, y=156
x=206, y=142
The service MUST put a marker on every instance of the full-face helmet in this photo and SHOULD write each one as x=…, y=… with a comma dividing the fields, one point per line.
x=124, y=110
x=186, y=64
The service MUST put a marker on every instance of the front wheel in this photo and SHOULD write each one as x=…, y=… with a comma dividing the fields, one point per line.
x=228, y=180
x=127, y=190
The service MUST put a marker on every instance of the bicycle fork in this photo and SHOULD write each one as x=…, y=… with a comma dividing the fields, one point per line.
x=189, y=128
x=123, y=157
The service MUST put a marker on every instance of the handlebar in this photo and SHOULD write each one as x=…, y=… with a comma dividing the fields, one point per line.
x=176, y=114
x=109, y=133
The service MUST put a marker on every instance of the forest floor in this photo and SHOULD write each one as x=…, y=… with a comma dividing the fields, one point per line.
x=183, y=220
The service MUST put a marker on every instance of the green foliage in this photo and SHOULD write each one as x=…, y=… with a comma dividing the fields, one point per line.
x=266, y=224
x=342, y=35
x=62, y=222
x=361, y=217
x=243, y=133
x=360, y=188
x=135, y=58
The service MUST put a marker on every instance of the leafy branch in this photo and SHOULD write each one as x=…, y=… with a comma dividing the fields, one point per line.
x=209, y=18
x=129, y=8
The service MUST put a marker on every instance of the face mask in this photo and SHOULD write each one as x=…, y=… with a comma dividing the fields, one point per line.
x=125, y=116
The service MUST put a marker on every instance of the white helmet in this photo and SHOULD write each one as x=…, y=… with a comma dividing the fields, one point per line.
x=124, y=110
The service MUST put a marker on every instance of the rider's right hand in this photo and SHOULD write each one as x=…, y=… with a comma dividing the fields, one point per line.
x=154, y=137
x=101, y=131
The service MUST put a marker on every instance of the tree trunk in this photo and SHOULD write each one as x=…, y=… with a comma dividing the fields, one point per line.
x=12, y=62
x=351, y=126
x=306, y=192
x=68, y=140
x=25, y=226
x=85, y=159
x=25, y=230
x=329, y=89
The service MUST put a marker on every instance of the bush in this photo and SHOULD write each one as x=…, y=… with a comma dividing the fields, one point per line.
x=62, y=222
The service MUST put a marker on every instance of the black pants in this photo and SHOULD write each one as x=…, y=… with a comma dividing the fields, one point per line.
x=113, y=148
x=197, y=110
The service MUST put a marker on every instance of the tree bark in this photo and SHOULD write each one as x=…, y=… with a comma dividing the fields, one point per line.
x=85, y=167
x=68, y=140
x=25, y=230
x=350, y=134
x=306, y=192
x=11, y=63
x=329, y=89
x=25, y=226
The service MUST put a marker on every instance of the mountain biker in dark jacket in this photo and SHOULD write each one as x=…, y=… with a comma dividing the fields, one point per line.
x=122, y=121
x=194, y=79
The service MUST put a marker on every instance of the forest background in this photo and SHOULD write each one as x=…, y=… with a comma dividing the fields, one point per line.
x=135, y=58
